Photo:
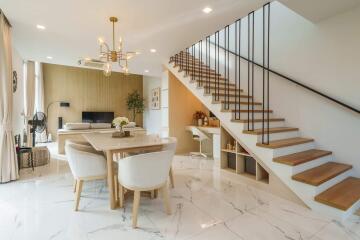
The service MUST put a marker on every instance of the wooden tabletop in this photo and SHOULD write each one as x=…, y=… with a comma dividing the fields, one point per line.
x=105, y=141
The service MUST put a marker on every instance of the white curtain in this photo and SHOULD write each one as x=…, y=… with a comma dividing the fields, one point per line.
x=29, y=77
x=8, y=160
x=39, y=98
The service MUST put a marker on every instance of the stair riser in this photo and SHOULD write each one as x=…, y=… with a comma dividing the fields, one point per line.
x=221, y=91
x=242, y=98
x=311, y=164
x=244, y=115
x=281, y=135
x=242, y=106
x=292, y=149
x=221, y=84
x=259, y=125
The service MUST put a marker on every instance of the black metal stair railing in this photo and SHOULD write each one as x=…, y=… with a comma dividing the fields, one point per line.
x=191, y=61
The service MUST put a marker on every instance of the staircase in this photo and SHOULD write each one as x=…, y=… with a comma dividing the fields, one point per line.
x=312, y=174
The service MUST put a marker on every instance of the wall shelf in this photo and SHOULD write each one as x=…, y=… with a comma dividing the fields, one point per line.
x=239, y=161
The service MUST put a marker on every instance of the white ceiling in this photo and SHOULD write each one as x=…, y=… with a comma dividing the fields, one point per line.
x=73, y=26
x=318, y=10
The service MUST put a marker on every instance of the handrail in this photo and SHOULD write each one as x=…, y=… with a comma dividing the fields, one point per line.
x=295, y=82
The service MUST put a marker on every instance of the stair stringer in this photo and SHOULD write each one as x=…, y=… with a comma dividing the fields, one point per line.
x=265, y=156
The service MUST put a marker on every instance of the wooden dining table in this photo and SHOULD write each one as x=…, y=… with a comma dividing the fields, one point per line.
x=119, y=146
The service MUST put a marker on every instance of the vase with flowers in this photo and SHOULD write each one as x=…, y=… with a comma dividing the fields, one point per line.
x=198, y=117
x=119, y=123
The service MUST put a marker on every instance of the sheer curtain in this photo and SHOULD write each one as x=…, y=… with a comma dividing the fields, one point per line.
x=8, y=161
x=39, y=98
x=29, y=83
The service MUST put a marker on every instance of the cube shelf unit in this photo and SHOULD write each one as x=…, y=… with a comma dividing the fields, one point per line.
x=239, y=161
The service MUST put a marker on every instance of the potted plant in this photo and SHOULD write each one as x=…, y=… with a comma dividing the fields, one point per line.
x=135, y=103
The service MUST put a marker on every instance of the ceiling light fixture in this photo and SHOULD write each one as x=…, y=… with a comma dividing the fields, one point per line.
x=115, y=54
x=207, y=10
x=40, y=27
x=146, y=71
x=153, y=50
x=49, y=57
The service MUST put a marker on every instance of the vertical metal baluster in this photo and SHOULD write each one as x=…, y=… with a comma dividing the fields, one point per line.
x=216, y=70
x=263, y=81
x=268, y=77
x=248, y=105
x=218, y=64
x=225, y=72
x=252, y=66
x=239, y=63
x=193, y=64
x=200, y=62
x=228, y=66
x=237, y=104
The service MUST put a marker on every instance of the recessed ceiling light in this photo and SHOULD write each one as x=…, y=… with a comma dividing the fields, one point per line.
x=153, y=50
x=40, y=27
x=49, y=57
x=146, y=71
x=207, y=10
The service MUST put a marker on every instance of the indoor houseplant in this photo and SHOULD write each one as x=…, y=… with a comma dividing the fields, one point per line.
x=135, y=103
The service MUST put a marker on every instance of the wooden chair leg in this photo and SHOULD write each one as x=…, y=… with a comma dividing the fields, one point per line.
x=165, y=194
x=171, y=175
x=135, y=208
x=75, y=183
x=116, y=187
x=78, y=193
x=121, y=195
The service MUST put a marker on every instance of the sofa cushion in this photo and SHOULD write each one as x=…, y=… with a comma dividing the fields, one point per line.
x=77, y=126
x=100, y=125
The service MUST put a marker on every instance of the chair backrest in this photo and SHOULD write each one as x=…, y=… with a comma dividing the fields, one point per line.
x=145, y=171
x=198, y=134
x=83, y=162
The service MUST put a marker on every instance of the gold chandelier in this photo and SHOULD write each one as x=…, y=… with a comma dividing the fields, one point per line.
x=111, y=55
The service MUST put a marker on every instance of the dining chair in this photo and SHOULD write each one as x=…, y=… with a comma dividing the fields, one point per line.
x=145, y=172
x=85, y=164
x=199, y=136
x=171, y=147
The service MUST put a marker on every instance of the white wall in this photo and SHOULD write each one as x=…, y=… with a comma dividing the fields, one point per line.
x=324, y=56
x=18, y=96
x=151, y=118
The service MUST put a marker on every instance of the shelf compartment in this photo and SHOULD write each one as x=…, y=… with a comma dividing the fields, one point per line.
x=261, y=174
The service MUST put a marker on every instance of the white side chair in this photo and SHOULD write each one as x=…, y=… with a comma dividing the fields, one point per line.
x=85, y=164
x=145, y=172
x=171, y=147
x=199, y=136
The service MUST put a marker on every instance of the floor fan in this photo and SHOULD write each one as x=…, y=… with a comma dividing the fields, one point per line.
x=38, y=125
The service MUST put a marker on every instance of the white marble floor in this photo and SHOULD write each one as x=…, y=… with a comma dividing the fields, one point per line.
x=205, y=206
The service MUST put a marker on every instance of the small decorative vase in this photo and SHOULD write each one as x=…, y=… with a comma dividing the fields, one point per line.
x=200, y=122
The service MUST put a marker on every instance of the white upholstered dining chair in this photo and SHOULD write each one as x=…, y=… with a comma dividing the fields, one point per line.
x=85, y=164
x=145, y=172
x=171, y=147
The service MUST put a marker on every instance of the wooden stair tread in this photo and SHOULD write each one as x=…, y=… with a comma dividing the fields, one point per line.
x=318, y=175
x=234, y=102
x=245, y=110
x=342, y=195
x=258, y=120
x=285, y=142
x=271, y=130
x=230, y=95
x=301, y=157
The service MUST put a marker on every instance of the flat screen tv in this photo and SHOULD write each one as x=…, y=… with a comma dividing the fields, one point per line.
x=97, y=117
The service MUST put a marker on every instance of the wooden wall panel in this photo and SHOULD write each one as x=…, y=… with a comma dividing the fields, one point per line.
x=182, y=105
x=87, y=90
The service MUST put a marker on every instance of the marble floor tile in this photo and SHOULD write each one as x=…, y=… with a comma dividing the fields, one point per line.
x=205, y=205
